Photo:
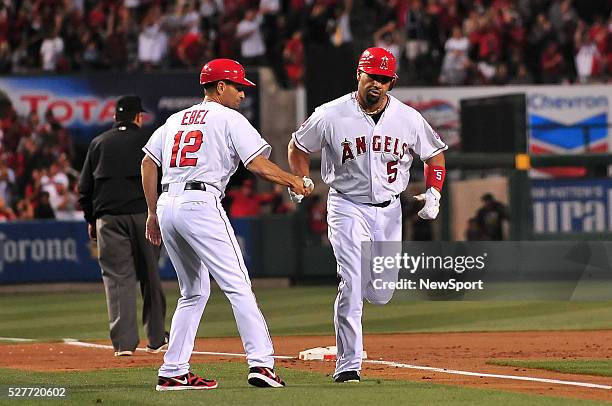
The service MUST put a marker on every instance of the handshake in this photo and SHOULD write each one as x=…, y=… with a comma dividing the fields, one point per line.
x=297, y=194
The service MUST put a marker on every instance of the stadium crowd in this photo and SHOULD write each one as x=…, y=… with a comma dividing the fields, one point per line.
x=37, y=180
x=470, y=42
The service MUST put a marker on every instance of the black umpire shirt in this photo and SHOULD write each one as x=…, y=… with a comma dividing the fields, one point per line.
x=110, y=180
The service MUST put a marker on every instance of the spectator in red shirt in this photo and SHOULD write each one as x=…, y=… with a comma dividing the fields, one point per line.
x=600, y=35
x=293, y=55
x=191, y=49
x=97, y=17
x=317, y=220
x=488, y=42
x=245, y=202
x=552, y=64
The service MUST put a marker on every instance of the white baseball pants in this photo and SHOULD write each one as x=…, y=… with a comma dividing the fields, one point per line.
x=201, y=242
x=349, y=225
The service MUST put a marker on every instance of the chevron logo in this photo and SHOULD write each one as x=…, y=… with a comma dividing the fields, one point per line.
x=568, y=136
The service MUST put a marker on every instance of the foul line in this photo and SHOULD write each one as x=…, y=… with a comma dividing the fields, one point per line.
x=18, y=340
x=485, y=375
x=71, y=341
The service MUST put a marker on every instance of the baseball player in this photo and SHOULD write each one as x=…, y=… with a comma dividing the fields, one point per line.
x=365, y=138
x=198, y=149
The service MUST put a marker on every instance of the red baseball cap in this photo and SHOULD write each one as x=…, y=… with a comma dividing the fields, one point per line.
x=377, y=61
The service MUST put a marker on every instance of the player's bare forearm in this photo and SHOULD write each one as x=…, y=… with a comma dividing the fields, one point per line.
x=299, y=161
x=148, y=170
x=270, y=171
x=437, y=160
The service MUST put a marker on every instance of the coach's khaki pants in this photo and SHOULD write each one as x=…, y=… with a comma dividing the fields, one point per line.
x=126, y=258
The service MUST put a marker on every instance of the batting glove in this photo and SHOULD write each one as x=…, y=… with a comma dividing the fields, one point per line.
x=294, y=197
x=432, y=204
x=308, y=183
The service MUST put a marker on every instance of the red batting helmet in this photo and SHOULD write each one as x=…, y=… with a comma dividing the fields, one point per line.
x=378, y=61
x=224, y=69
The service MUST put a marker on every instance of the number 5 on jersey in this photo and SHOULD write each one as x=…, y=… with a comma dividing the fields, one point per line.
x=191, y=144
x=392, y=171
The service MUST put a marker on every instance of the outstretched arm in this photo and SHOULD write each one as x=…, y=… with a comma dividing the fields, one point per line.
x=270, y=171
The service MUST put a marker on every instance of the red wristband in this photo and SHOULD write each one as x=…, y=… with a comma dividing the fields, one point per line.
x=434, y=176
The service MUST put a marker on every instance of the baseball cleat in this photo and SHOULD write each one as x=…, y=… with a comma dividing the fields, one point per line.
x=188, y=381
x=263, y=377
x=164, y=346
x=347, y=376
x=123, y=353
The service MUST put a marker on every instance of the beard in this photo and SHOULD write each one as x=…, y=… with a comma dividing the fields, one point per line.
x=372, y=98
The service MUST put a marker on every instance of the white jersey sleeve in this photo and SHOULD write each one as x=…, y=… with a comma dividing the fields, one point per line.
x=311, y=134
x=155, y=145
x=247, y=142
x=427, y=142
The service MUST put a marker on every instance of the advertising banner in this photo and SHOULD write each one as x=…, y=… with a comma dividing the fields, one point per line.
x=561, y=119
x=571, y=206
x=60, y=251
x=85, y=104
x=46, y=251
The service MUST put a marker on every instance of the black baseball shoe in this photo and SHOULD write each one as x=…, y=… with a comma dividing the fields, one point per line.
x=164, y=346
x=263, y=377
x=347, y=376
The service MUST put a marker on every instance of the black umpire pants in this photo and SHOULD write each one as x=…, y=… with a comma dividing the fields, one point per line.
x=126, y=257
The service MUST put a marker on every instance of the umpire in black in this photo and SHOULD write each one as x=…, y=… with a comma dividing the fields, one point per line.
x=112, y=198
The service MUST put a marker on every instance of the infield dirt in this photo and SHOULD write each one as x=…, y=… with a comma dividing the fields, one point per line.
x=458, y=351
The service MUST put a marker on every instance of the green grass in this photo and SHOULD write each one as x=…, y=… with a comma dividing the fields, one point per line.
x=289, y=311
x=124, y=386
x=599, y=367
x=303, y=310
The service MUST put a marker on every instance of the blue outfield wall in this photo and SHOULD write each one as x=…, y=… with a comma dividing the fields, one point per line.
x=60, y=251
x=46, y=251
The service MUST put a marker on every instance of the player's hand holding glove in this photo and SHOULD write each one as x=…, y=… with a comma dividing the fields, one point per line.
x=432, y=204
x=296, y=196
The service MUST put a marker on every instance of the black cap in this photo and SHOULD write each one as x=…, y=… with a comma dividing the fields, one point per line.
x=129, y=104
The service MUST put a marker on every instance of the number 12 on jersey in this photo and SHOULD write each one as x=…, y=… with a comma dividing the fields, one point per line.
x=191, y=144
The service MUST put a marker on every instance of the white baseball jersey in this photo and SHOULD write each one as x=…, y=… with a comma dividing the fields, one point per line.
x=205, y=143
x=368, y=162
